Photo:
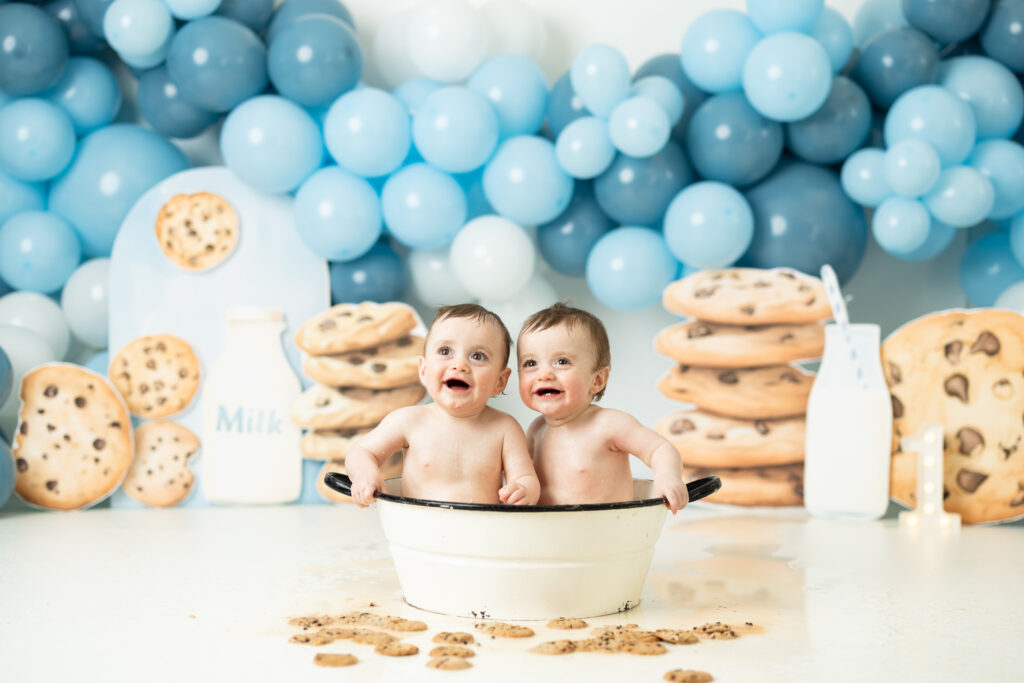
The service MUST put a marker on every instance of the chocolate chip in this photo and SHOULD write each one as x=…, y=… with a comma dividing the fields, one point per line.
x=404, y=341
x=683, y=368
x=143, y=388
x=364, y=319
x=160, y=346
x=115, y=425
x=183, y=373
x=762, y=427
x=50, y=428
x=747, y=310
x=970, y=480
x=356, y=360
x=327, y=324
x=158, y=385
x=897, y=407
x=1009, y=450
x=810, y=302
x=787, y=337
x=1018, y=498
x=728, y=377
x=986, y=343
x=716, y=436
x=99, y=444
x=379, y=367
x=23, y=428
x=50, y=391
x=80, y=401
x=953, y=351
x=957, y=386
x=895, y=372
x=1002, y=389
x=51, y=484
x=22, y=464
x=704, y=292
x=682, y=425
x=761, y=284
x=784, y=274
x=789, y=376
x=698, y=331
x=151, y=364
x=970, y=438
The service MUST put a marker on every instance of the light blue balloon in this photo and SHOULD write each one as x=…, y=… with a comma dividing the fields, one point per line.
x=787, y=76
x=988, y=268
x=38, y=251
x=962, y=197
x=413, y=92
x=6, y=376
x=141, y=61
x=638, y=191
x=160, y=103
x=670, y=66
x=939, y=237
x=715, y=47
x=835, y=35
x=1001, y=37
x=729, y=141
x=564, y=105
x=337, y=214
x=476, y=199
x=1002, y=162
x=837, y=129
x=33, y=50
x=423, y=207
x=664, y=92
x=863, y=177
x=191, y=9
x=517, y=90
x=990, y=89
x=253, y=13
x=584, y=148
x=290, y=11
x=935, y=115
x=600, y=77
x=8, y=477
x=137, y=27
x=17, y=196
x=774, y=16
x=81, y=39
x=524, y=183
x=629, y=267
x=37, y=139
x=367, y=131
x=1017, y=238
x=271, y=143
x=911, y=167
x=875, y=16
x=114, y=166
x=99, y=363
x=315, y=59
x=456, y=129
x=709, y=225
x=901, y=225
x=88, y=93
x=639, y=127
x=565, y=242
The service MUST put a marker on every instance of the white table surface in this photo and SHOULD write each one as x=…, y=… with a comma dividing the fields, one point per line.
x=206, y=594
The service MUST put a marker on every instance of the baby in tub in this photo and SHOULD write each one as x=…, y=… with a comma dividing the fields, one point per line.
x=580, y=450
x=457, y=448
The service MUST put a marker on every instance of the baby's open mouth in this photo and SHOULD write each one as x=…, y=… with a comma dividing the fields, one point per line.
x=547, y=391
x=457, y=384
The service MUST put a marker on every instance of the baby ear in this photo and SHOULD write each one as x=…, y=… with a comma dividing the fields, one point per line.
x=423, y=367
x=499, y=386
x=600, y=380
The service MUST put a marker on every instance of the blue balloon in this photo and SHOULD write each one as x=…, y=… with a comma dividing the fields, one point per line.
x=939, y=237
x=893, y=62
x=990, y=89
x=715, y=47
x=787, y=76
x=709, y=225
x=518, y=91
x=99, y=363
x=8, y=477
x=1002, y=38
x=875, y=16
x=988, y=267
x=88, y=93
x=413, y=92
x=456, y=129
x=935, y=115
x=1017, y=238
x=911, y=167
x=772, y=16
x=6, y=376
x=584, y=148
x=292, y=10
x=837, y=129
x=92, y=12
x=524, y=182
x=566, y=241
x=629, y=267
x=141, y=61
x=38, y=251
x=380, y=275
x=803, y=220
x=476, y=199
x=315, y=59
x=638, y=191
x=564, y=106
x=81, y=40
x=166, y=111
x=337, y=214
x=253, y=13
x=17, y=196
x=137, y=27
x=664, y=92
x=962, y=196
x=423, y=207
x=37, y=139
x=367, y=131
x=948, y=21
x=1002, y=162
x=639, y=127
x=835, y=35
x=729, y=141
x=670, y=66
x=33, y=49
x=114, y=166
x=217, y=63
x=187, y=10
x=863, y=177
x=901, y=226
x=600, y=76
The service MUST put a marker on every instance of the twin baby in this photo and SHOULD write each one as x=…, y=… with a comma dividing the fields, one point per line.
x=459, y=449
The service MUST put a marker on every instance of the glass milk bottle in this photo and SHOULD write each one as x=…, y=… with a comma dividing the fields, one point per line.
x=849, y=428
x=250, y=445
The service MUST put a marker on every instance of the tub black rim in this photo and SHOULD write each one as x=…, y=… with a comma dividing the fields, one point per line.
x=697, y=489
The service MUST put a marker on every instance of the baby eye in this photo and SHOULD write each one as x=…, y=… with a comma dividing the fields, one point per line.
x=478, y=356
x=562, y=361
x=444, y=351
x=529, y=363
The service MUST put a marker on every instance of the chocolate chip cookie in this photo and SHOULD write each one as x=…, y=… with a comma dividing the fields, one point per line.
x=761, y=393
x=707, y=440
x=321, y=407
x=378, y=367
x=755, y=486
x=740, y=346
x=157, y=375
x=160, y=473
x=197, y=231
x=350, y=327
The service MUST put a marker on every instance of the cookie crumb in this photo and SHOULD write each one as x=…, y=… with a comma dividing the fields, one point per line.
x=688, y=676
x=325, y=659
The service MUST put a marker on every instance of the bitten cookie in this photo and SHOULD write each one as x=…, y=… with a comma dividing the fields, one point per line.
x=330, y=444
x=755, y=486
x=740, y=346
x=964, y=370
x=349, y=327
x=378, y=367
x=706, y=440
x=391, y=468
x=156, y=375
x=749, y=296
x=197, y=231
x=160, y=475
x=754, y=393
x=322, y=407
x=73, y=443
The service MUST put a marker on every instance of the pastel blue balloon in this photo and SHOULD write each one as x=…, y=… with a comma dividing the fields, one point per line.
x=729, y=141
x=629, y=267
x=6, y=376
x=517, y=90
x=217, y=63
x=141, y=61
x=99, y=363
x=663, y=92
x=367, y=131
x=600, y=76
x=939, y=237
x=456, y=129
x=715, y=47
x=37, y=139
x=962, y=196
x=290, y=11
x=564, y=105
x=988, y=268
x=137, y=27
x=803, y=220
x=787, y=76
x=253, y=13
x=709, y=225
x=670, y=66
x=38, y=251
x=584, y=148
x=476, y=199
x=565, y=242
x=192, y=9
x=88, y=93
x=271, y=143
x=875, y=16
x=935, y=115
x=638, y=191
x=1002, y=162
x=423, y=207
x=337, y=214
x=17, y=196
x=8, y=477
x=160, y=103
x=835, y=35
x=114, y=166
x=949, y=21
x=893, y=62
x=413, y=92
x=863, y=177
x=837, y=129
x=81, y=40
x=315, y=59
x=524, y=183
x=1017, y=238
x=773, y=16
x=33, y=50
x=901, y=225
x=91, y=12
x=1001, y=37
x=639, y=127
x=911, y=168
x=990, y=89
x=379, y=275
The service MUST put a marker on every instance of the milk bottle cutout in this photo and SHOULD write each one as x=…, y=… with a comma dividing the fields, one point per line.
x=251, y=448
x=849, y=421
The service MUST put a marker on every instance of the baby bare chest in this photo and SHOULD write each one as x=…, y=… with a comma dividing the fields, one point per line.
x=574, y=450
x=447, y=450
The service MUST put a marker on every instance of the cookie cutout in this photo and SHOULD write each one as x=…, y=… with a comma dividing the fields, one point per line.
x=449, y=663
x=740, y=346
x=452, y=651
x=321, y=407
x=160, y=475
x=350, y=327
x=567, y=623
x=707, y=440
x=454, y=638
x=379, y=367
x=781, y=486
x=157, y=375
x=763, y=393
x=197, y=231
x=687, y=676
x=325, y=659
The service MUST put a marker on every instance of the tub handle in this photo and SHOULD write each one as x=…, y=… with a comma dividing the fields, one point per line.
x=340, y=483
x=702, y=488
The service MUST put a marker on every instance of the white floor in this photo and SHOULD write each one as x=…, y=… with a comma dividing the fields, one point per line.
x=205, y=594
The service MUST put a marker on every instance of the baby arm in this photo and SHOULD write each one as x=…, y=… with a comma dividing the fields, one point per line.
x=363, y=460
x=522, y=487
x=658, y=454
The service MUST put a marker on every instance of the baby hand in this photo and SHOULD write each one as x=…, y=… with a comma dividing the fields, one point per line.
x=513, y=494
x=363, y=490
x=673, y=490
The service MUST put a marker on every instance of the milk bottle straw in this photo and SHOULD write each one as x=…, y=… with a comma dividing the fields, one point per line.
x=841, y=318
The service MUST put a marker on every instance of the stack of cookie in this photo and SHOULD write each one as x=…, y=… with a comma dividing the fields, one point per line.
x=363, y=360
x=735, y=364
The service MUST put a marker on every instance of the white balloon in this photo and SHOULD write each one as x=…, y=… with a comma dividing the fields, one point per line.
x=493, y=258
x=516, y=29
x=391, y=50
x=38, y=313
x=433, y=280
x=26, y=349
x=537, y=294
x=85, y=302
x=448, y=40
x=1012, y=298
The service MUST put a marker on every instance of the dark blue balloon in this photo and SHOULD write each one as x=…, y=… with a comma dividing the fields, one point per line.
x=895, y=61
x=315, y=59
x=33, y=50
x=291, y=10
x=638, y=191
x=837, y=129
x=1002, y=38
x=253, y=13
x=564, y=106
x=803, y=220
x=6, y=376
x=566, y=241
x=670, y=66
x=8, y=477
x=166, y=111
x=988, y=268
x=730, y=141
x=91, y=12
x=947, y=21
x=81, y=39
x=379, y=275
